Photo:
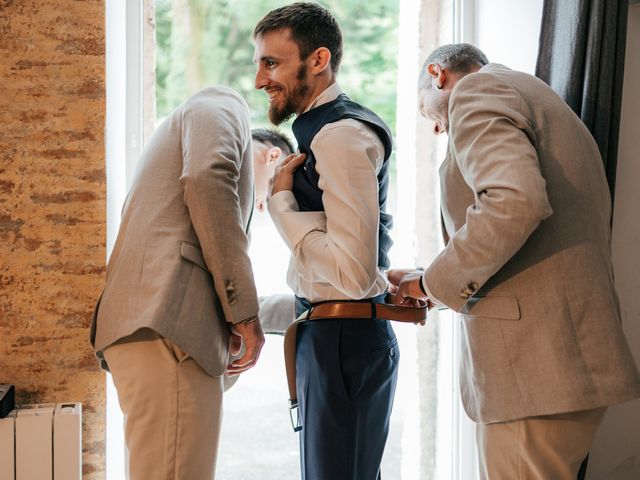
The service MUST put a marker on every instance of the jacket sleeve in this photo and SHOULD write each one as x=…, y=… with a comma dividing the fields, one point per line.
x=215, y=143
x=494, y=145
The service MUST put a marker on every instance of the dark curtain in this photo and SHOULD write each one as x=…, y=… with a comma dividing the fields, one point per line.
x=581, y=56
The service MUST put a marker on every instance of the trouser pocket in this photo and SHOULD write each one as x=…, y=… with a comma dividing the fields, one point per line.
x=179, y=355
x=367, y=361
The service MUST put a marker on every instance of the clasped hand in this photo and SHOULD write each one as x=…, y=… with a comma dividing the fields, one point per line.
x=404, y=283
x=283, y=177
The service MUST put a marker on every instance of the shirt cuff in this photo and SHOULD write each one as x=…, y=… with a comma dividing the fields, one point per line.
x=433, y=299
x=293, y=224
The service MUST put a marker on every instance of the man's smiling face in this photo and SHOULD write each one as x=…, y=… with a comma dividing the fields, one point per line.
x=281, y=74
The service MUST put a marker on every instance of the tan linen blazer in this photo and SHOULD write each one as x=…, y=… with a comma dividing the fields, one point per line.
x=527, y=264
x=180, y=263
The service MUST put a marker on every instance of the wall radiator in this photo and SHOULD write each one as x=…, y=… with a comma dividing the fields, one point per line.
x=42, y=442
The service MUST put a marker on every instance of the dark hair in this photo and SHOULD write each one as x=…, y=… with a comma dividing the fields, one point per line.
x=274, y=137
x=457, y=57
x=311, y=25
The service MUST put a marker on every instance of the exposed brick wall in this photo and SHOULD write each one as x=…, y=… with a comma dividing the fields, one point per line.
x=52, y=205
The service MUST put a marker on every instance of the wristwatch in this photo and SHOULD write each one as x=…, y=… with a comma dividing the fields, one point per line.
x=420, y=282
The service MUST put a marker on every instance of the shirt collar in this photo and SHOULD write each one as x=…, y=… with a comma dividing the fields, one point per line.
x=328, y=95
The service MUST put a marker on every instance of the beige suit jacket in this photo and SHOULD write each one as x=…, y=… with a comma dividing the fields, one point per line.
x=527, y=263
x=180, y=263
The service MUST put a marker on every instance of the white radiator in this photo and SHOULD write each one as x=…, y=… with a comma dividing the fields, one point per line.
x=42, y=442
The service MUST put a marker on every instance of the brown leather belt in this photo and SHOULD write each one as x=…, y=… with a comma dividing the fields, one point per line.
x=331, y=310
x=385, y=311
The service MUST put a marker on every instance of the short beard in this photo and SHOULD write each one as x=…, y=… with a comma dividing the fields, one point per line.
x=291, y=106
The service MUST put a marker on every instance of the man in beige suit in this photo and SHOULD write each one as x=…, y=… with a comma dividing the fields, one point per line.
x=180, y=296
x=526, y=211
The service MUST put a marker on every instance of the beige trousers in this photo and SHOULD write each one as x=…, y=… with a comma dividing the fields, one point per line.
x=172, y=411
x=549, y=447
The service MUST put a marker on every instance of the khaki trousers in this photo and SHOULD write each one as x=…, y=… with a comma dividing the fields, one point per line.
x=549, y=447
x=172, y=411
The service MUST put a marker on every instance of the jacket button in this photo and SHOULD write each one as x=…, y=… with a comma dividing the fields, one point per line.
x=469, y=290
x=231, y=293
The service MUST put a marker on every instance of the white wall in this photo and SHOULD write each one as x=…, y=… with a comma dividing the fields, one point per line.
x=616, y=451
x=508, y=32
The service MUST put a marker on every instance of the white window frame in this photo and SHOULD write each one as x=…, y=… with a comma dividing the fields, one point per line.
x=124, y=122
x=123, y=145
x=465, y=454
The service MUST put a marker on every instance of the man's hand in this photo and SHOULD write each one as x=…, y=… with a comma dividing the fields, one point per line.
x=404, y=284
x=283, y=178
x=409, y=291
x=395, y=275
x=253, y=338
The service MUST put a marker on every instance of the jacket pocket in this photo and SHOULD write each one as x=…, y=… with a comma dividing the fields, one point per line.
x=499, y=306
x=193, y=254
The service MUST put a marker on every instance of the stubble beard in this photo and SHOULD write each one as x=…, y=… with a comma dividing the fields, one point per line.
x=278, y=115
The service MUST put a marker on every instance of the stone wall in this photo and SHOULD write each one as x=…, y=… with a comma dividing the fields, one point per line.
x=52, y=205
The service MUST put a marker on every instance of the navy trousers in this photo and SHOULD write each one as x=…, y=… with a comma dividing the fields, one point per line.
x=346, y=374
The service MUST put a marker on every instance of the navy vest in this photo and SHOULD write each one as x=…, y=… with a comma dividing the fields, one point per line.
x=305, y=180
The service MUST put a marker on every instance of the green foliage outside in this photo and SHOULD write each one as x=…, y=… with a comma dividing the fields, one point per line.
x=208, y=42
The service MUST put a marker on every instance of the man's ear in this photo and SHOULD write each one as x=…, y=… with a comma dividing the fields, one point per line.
x=436, y=72
x=273, y=155
x=320, y=60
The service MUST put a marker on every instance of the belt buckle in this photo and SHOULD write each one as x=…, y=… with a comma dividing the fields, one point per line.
x=294, y=409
